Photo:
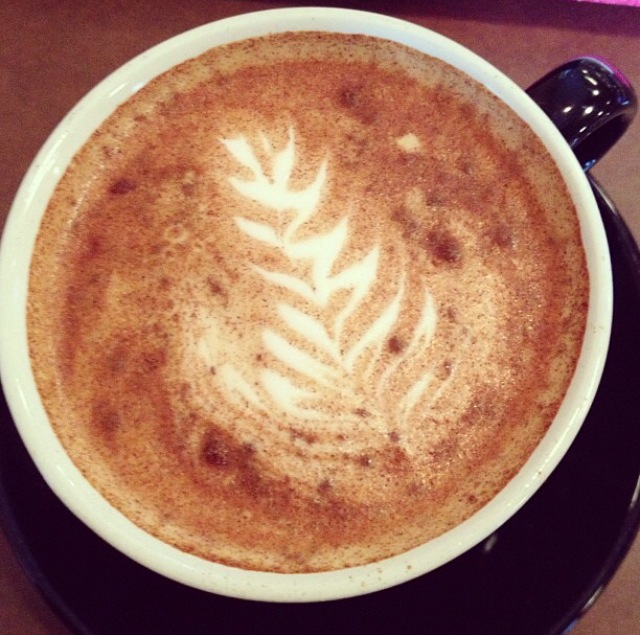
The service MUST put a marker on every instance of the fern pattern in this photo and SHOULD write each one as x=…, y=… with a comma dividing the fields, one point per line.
x=306, y=374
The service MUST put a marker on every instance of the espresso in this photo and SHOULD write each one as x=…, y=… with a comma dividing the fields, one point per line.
x=306, y=301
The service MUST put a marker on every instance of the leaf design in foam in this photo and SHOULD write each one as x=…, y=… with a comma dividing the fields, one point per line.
x=300, y=287
x=356, y=278
x=288, y=396
x=258, y=231
x=273, y=190
x=322, y=251
x=417, y=347
x=379, y=330
x=312, y=350
x=243, y=153
x=238, y=386
x=310, y=328
x=283, y=163
x=299, y=360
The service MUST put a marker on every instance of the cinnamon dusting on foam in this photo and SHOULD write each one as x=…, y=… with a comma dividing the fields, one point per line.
x=298, y=305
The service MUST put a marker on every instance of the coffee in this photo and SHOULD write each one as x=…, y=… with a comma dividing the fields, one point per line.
x=306, y=301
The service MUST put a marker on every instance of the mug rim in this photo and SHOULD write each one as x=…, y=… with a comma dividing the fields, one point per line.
x=65, y=479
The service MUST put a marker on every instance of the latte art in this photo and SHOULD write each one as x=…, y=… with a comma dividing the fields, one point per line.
x=324, y=367
x=301, y=304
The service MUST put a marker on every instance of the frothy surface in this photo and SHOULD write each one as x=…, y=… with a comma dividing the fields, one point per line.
x=306, y=301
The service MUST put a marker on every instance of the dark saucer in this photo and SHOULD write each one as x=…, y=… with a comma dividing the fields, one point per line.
x=535, y=576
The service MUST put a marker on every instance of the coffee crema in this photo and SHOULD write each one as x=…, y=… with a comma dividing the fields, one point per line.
x=306, y=301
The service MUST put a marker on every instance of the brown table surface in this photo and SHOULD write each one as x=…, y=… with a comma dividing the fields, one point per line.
x=53, y=51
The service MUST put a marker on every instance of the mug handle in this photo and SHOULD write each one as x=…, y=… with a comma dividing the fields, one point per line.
x=590, y=102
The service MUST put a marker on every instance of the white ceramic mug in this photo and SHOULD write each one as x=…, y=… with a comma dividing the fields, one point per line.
x=51, y=458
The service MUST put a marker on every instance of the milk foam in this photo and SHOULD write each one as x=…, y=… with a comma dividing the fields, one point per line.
x=306, y=339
